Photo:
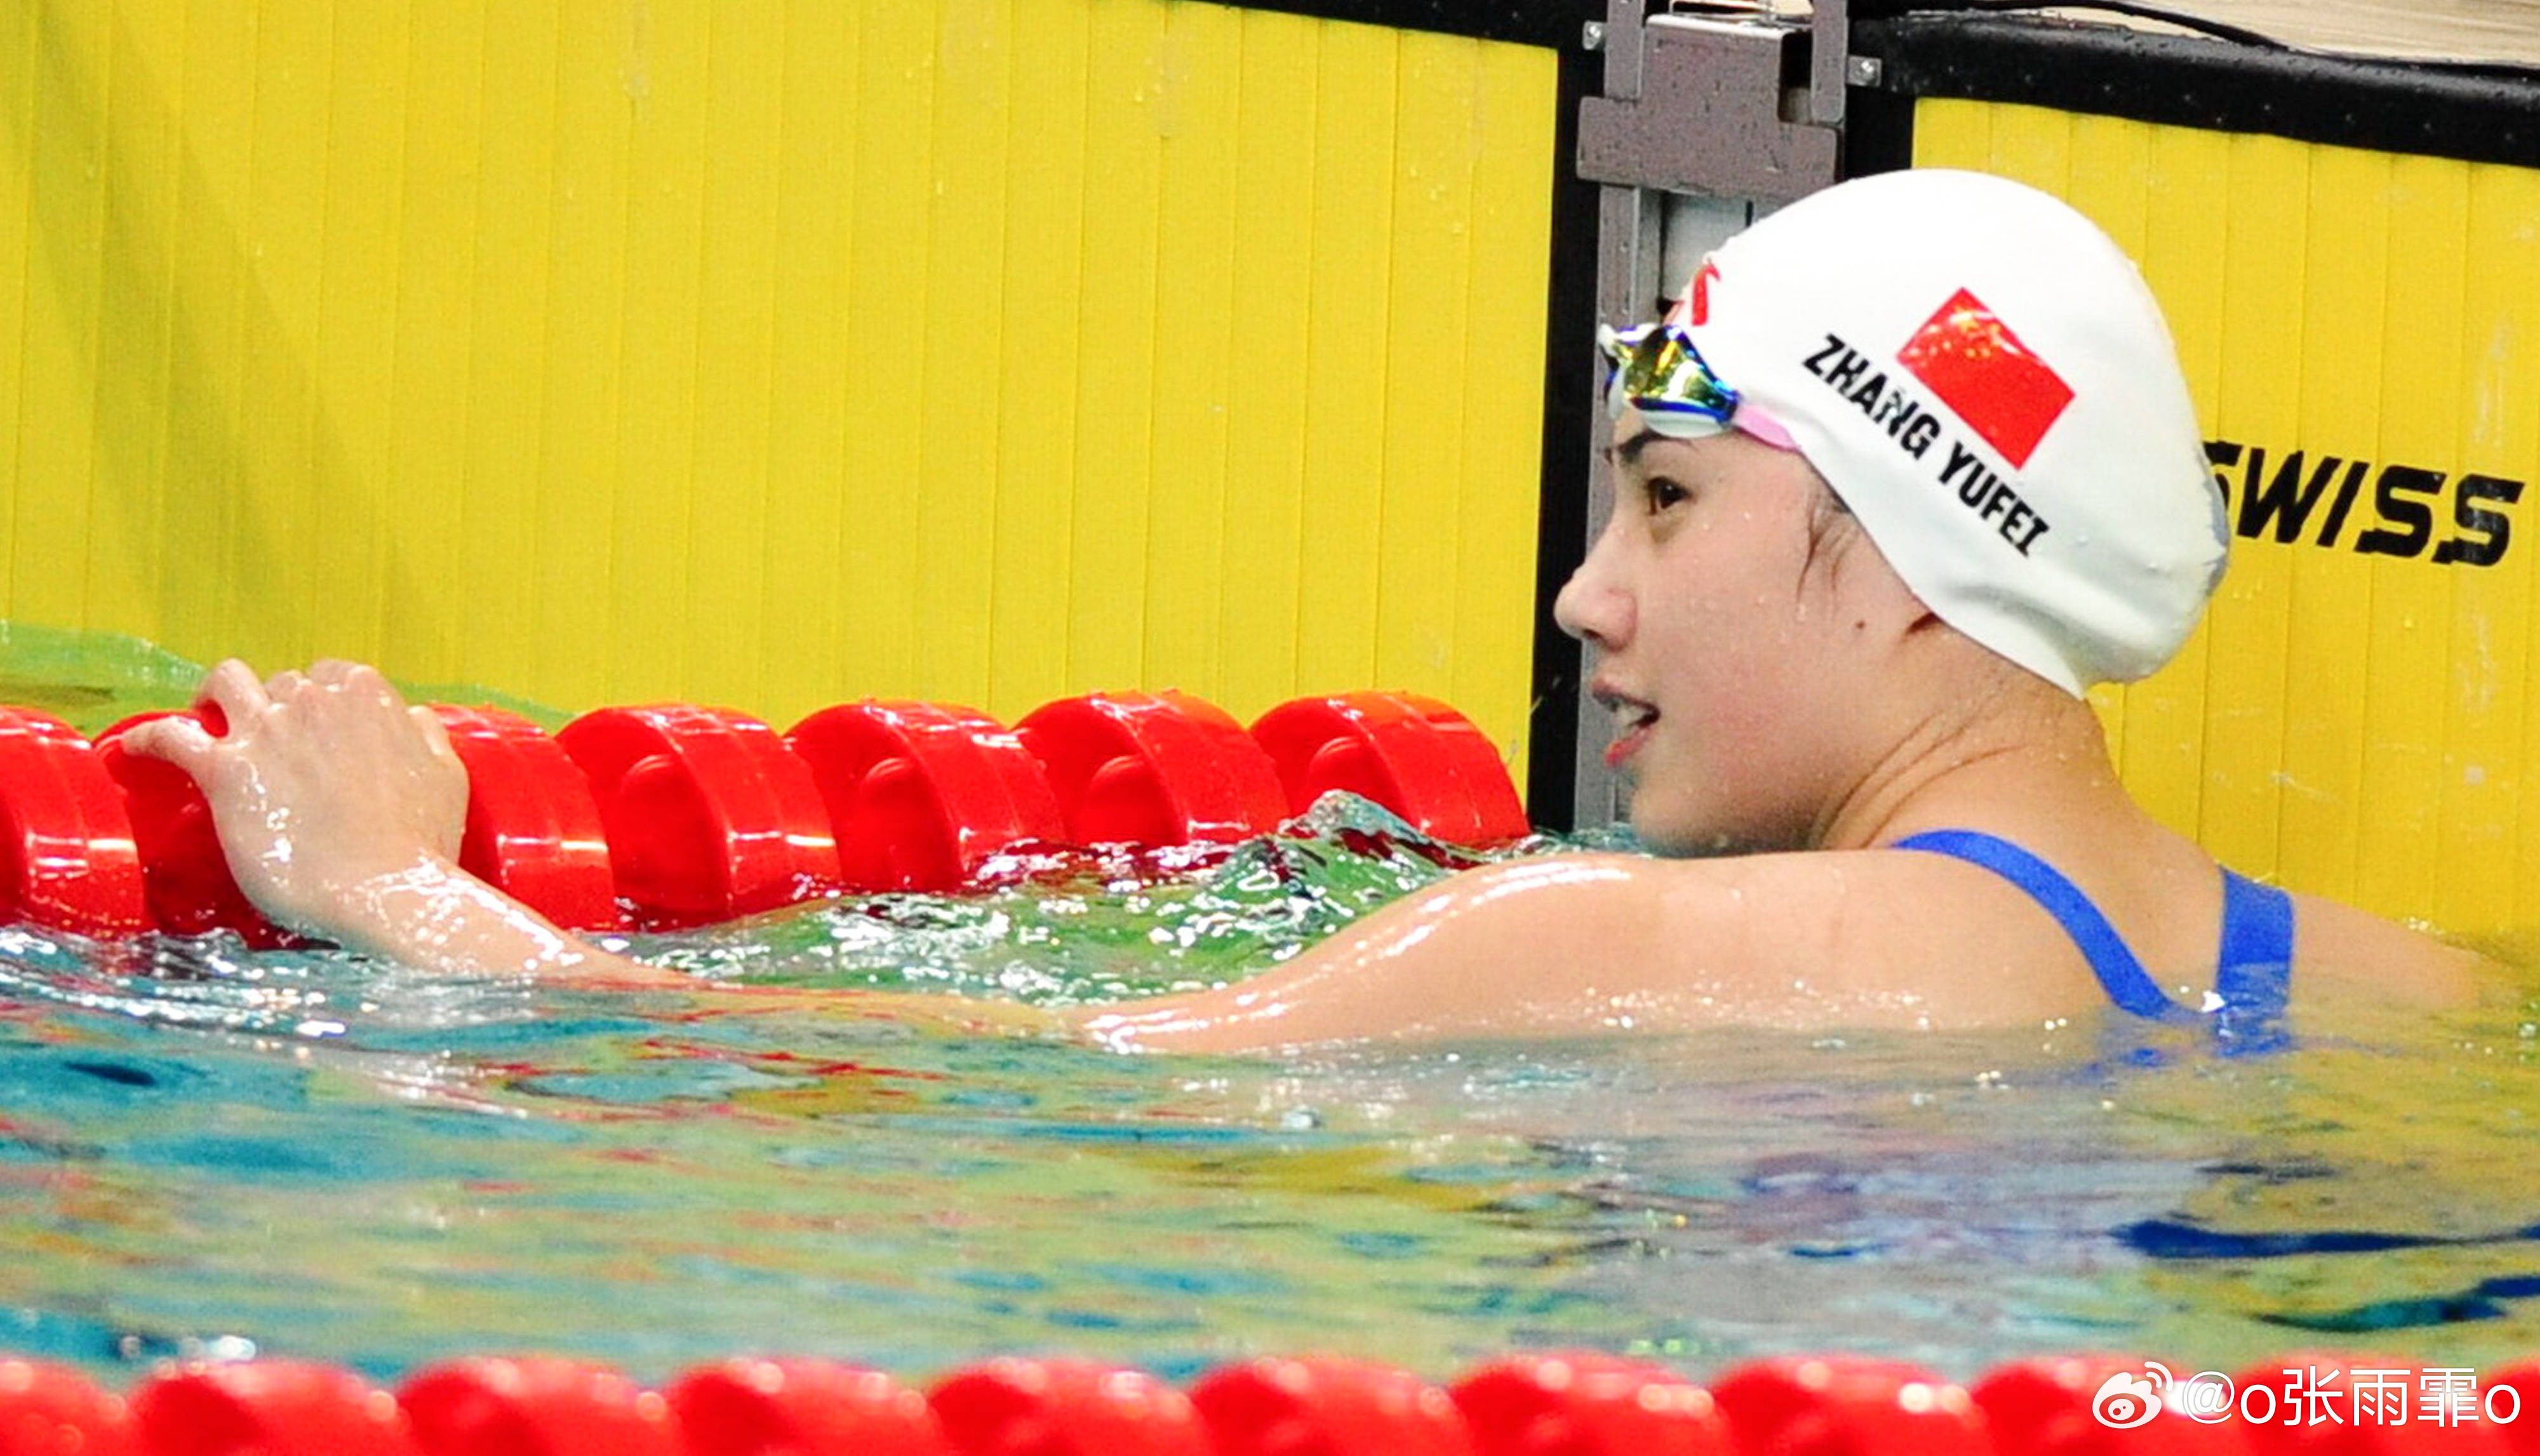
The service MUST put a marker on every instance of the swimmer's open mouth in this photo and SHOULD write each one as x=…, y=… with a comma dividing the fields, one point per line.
x=1633, y=720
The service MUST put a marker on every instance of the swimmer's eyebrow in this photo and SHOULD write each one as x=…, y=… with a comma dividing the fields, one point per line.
x=1628, y=454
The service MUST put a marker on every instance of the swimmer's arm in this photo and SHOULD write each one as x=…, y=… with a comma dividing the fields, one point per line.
x=340, y=809
x=1550, y=947
x=436, y=917
x=1563, y=944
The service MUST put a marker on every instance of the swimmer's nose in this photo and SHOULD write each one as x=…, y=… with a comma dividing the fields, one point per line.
x=1592, y=606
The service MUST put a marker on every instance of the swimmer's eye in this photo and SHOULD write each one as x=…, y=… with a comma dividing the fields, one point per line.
x=1658, y=493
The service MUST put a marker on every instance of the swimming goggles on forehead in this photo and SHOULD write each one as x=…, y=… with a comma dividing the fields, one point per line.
x=1656, y=370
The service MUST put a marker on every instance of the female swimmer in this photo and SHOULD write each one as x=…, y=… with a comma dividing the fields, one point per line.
x=1908, y=467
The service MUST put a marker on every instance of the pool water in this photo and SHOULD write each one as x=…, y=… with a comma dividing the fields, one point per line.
x=207, y=1150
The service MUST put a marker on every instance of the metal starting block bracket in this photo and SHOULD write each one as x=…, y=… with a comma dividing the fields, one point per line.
x=1702, y=103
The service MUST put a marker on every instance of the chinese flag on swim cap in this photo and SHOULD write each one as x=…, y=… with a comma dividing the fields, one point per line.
x=1980, y=369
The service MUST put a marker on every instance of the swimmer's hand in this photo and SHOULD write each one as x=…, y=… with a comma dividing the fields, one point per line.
x=324, y=782
x=340, y=810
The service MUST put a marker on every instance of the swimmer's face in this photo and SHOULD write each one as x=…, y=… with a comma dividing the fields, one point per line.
x=1718, y=594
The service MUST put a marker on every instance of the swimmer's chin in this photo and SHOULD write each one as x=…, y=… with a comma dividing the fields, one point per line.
x=1670, y=841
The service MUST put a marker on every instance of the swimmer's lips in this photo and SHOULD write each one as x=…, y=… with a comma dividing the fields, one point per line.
x=1633, y=720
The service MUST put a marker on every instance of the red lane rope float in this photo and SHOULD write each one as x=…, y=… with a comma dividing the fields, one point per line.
x=1066, y=1408
x=920, y=794
x=1809, y=1406
x=50, y=1410
x=2523, y=1436
x=1589, y=1404
x=1154, y=769
x=1280, y=1406
x=689, y=814
x=67, y=856
x=184, y=875
x=802, y=1408
x=1416, y=756
x=268, y=1408
x=533, y=828
x=1533, y=1404
x=535, y=1407
x=707, y=815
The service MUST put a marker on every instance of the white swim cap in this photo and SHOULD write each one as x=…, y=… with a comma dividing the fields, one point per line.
x=1984, y=379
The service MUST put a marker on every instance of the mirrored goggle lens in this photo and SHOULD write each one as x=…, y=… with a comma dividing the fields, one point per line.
x=1656, y=369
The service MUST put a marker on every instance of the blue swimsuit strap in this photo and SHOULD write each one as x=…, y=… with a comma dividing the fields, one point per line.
x=2127, y=982
x=2255, y=977
x=2255, y=967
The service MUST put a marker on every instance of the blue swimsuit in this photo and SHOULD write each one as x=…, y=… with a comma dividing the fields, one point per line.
x=2250, y=981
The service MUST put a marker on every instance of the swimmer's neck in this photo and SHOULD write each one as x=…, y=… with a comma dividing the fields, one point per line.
x=2021, y=747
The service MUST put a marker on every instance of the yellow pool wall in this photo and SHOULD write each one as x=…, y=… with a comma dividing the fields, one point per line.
x=777, y=354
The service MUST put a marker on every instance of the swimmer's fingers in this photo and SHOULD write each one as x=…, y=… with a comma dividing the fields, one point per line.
x=365, y=686
x=436, y=734
x=233, y=687
x=177, y=740
x=355, y=677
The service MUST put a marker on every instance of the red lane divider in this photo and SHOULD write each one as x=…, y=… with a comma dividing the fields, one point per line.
x=1066, y=1408
x=1154, y=769
x=1843, y=1406
x=708, y=816
x=533, y=828
x=48, y=1409
x=268, y=1408
x=1534, y=1405
x=1414, y=755
x=1589, y=1404
x=685, y=815
x=535, y=1407
x=67, y=859
x=1329, y=1408
x=920, y=794
x=802, y=1408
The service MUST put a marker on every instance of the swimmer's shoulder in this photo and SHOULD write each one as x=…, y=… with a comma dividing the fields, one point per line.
x=1565, y=943
x=1879, y=937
